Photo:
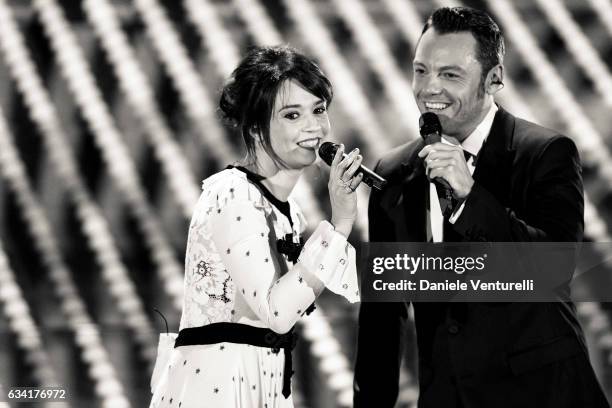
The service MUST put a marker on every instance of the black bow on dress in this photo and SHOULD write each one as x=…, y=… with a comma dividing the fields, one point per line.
x=292, y=249
x=288, y=247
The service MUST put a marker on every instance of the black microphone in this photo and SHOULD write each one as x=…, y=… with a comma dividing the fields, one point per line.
x=431, y=131
x=327, y=151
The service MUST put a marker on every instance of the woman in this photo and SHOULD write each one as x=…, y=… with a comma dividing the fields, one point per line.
x=247, y=277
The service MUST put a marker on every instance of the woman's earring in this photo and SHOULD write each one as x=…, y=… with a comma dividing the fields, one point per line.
x=254, y=132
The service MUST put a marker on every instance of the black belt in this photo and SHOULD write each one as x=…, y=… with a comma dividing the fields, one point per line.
x=243, y=334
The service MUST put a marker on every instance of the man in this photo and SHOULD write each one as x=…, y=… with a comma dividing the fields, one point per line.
x=520, y=182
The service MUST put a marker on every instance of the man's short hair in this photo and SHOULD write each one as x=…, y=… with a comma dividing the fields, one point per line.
x=489, y=38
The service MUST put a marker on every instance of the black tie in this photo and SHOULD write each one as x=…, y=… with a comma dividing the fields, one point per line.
x=467, y=155
x=449, y=234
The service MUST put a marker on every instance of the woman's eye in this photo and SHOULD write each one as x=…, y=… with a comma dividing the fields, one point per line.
x=419, y=71
x=292, y=115
x=320, y=110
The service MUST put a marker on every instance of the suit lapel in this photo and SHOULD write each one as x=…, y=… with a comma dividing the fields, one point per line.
x=406, y=199
x=494, y=162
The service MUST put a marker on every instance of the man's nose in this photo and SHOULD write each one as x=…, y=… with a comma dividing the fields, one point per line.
x=432, y=85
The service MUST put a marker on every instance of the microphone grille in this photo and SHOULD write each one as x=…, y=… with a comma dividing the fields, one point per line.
x=327, y=151
x=429, y=123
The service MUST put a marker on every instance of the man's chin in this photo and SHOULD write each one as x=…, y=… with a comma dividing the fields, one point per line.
x=448, y=127
x=445, y=121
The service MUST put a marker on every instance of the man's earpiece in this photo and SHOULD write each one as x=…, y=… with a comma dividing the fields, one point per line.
x=496, y=74
x=499, y=83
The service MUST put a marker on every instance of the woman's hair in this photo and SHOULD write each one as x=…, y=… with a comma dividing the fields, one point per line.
x=247, y=99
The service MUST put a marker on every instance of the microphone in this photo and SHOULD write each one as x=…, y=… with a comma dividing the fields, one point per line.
x=327, y=151
x=431, y=131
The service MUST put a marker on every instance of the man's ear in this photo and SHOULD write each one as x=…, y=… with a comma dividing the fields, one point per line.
x=495, y=79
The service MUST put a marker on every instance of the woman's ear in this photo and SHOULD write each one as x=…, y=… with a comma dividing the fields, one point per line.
x=495, y=79
x=255, y=133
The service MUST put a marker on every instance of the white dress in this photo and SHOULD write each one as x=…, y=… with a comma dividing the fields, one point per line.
x=234, y=273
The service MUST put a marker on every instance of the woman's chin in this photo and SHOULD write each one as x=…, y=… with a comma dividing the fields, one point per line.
x=306, y=158
x=304, y=165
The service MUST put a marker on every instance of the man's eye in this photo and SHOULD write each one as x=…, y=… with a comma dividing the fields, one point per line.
x=319, y=110
x=419, y=71
x=450, y=75
x=292, y=115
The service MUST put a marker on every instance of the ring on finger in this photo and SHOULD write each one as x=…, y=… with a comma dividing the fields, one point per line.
x=346, y=185
x=351, y=187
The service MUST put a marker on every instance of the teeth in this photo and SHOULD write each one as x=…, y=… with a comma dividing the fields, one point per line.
x=436, y=105
x=310, y=143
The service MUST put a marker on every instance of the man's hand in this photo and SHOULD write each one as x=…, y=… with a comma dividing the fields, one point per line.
x=448, y=162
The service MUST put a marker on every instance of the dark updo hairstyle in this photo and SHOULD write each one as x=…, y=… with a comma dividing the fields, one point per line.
x=489, y=38
x=247, y=99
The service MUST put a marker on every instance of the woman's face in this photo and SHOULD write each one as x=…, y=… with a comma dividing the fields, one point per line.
x=299, y=122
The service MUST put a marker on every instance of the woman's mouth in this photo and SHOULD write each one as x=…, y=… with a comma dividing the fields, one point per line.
x=310, y=143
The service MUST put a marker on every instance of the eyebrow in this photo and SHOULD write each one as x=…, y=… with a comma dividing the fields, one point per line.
x=455, y=67
x=442, y=68
x=318, y=102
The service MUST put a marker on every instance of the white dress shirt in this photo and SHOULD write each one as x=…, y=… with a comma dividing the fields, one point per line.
x=472, y=144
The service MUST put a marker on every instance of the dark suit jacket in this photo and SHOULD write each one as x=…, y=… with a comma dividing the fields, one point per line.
x=528, y=187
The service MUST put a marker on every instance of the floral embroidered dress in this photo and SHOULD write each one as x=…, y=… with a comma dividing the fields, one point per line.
x=234, y=273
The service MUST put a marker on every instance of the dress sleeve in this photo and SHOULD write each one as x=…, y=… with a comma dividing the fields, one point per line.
x=332, y=259
x=240, y=232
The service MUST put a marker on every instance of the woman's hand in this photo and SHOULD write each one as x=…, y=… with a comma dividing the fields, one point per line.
x=342, y=185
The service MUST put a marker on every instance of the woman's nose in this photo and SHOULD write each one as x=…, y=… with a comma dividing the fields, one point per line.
x=311, y=123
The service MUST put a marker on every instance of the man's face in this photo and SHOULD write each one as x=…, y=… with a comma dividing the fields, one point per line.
x=447, y=81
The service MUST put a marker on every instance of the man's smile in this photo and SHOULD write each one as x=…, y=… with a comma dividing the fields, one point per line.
x=436, y=106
